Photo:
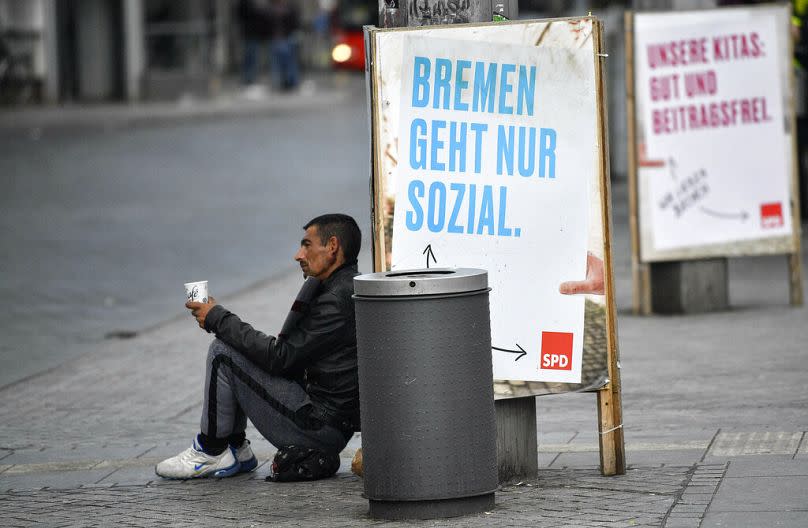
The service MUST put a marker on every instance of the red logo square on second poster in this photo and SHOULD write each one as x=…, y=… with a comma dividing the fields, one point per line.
x=556, y=351
x=771, y=215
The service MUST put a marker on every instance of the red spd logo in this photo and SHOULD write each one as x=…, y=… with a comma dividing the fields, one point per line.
x=771, y=215
x=556, y=351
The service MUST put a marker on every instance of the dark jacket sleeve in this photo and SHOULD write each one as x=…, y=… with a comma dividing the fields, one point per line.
x=316, y=334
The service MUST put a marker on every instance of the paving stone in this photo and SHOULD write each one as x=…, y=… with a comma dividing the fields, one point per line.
x=682, y=523
x=756, y=443
x=683, y=457
x=135, y=476
x=780, y=519
x=766, y=466
x=75, y=454
x=547, y=459
x=682, y=507
x=59, y=480
x=786, y=493
x=698, y=489
x=702, y=502
x=676, y=513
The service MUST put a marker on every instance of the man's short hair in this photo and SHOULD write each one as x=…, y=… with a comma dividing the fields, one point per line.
x=344, y=228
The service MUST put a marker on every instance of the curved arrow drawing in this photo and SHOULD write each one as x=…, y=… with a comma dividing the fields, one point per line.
x=743, y=215
x=428, y=252
x=521, y=351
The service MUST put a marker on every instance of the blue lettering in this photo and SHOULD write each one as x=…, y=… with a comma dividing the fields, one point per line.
x=461, y=190
x=503, y=198
x=505, y=87
x=443, y=72
x=486, y=212
x=457, y=146
x=547, y=152
x=417, y=145
x=436, y=216
x=472, y=208
x=420, y=82
x=478, y=129
x=437, y=145
x=484, y=87
x=527, y=90
x=415, y=218
x=461, y=85
x=527, y=164
x=505, y=149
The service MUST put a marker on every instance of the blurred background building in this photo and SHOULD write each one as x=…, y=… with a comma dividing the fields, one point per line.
x=82, y=51
x=129, y=50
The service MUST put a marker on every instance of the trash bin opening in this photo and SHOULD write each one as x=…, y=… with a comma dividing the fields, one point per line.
x=419, y=274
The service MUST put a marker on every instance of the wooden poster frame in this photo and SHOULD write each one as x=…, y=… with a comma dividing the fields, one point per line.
x=788, y=246
x=609, y=398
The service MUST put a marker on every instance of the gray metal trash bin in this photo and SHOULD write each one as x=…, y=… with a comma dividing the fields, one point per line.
x=426, y=392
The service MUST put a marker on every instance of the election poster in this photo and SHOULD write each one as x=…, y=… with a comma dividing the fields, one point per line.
x=714, y=137
x=488, y=153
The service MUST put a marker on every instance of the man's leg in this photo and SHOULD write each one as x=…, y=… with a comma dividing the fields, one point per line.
x=210, y=455
x=277, y=66
x=249, y=68
x=293, y=66
x=236, y=389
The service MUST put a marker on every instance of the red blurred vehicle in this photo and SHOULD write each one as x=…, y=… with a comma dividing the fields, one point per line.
x=348, y=52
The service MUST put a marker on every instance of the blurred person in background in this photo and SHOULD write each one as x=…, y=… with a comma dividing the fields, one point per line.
x=256, y=24
x=323, y=25
x=285, y=23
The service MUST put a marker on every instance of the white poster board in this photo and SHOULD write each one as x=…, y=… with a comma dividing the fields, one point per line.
x=487, y=148
x=714, y=138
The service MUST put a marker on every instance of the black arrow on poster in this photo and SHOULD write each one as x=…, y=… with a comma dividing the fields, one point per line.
x=521, y=351
x=428, y=252
x=742, y=216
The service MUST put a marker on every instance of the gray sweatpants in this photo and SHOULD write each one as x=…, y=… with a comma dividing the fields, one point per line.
x=237, y=389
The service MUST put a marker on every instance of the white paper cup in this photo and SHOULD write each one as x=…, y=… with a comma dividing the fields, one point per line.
x=196, y=291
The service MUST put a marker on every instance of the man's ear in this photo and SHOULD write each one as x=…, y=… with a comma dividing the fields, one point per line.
x=333, y=246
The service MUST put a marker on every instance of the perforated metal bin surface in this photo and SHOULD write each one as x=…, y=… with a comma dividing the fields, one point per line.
x=425, y=377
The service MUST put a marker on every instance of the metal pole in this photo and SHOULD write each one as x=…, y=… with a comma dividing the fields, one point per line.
x=134, y=49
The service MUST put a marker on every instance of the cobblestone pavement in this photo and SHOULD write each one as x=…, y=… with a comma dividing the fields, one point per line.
x=581, y=497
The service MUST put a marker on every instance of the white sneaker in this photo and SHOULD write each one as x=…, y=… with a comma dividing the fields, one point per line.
x=193, y=463
x=246, y=458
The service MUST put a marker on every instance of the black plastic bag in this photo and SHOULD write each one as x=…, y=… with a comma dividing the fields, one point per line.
x=294, y=463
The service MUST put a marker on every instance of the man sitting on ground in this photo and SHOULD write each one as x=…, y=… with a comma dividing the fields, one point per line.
x=299, y=389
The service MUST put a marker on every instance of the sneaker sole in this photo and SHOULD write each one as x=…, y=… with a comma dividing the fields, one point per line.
x=227, y=472
x=248, y=465
x=220, y=473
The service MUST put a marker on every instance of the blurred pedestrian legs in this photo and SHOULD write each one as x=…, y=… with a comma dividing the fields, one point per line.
x=255, y=18
x=285, y=68
x=285, y=24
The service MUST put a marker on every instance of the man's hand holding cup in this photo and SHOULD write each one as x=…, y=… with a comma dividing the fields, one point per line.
x=198, y=301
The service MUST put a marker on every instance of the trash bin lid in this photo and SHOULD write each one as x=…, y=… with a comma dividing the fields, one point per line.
x=431, y=281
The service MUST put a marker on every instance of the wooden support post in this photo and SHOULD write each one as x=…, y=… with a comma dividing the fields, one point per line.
x=795, y=277
x=517, y=446
x=640, y=274
x=377, y=219
x=795, y=258
x=610, y=406
x=610, y=431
